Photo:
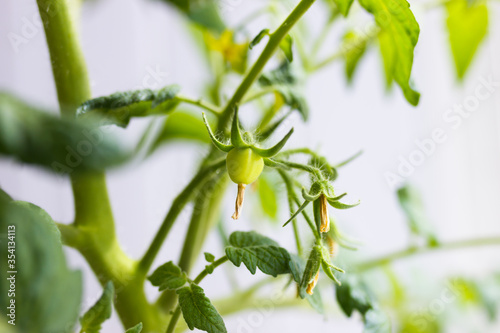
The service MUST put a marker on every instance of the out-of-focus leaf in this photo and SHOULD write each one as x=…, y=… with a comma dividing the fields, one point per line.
x=136, y=329
x=4, y=197
x=168, y=276
x=255, y=250
x=484, y=293
x=47, y=292
x=343, y=6
x=119, y=108
x=202, y=12
x=376, y=321
x=415, y=324
x=234, y=54
x=61, y=144
x=354, y=295
x=467, y=24
x=198, y=311
x=289, y=86
x=267, y=196
x=398, y=37
x=353, y=47
x=101, y=311
x=181, y=125
x=411, y=203
x=286, y=46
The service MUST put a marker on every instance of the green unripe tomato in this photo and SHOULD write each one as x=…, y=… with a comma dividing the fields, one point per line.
x=244, y=166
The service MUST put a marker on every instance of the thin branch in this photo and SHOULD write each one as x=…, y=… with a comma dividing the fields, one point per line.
x=200, y=103
x=177, y=205
x=413, y=251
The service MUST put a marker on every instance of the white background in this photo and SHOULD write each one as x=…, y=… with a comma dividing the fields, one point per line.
x=125, y=39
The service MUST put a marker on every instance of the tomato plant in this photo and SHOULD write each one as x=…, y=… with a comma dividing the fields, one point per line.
x=271, y=66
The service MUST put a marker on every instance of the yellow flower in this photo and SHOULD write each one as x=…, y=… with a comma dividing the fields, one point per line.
x=234, y=54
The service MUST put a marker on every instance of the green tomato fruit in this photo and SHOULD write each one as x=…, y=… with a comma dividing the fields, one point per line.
x=244, y=166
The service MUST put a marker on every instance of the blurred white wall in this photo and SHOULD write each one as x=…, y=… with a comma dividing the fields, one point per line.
x=124, y=41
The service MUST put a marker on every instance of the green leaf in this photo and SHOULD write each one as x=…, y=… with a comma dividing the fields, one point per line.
x=352, y=295
x=411, y=203
x=263, y=33
x=119, y=108
x=198, y=311
x=286, y=46
x=255, y=250
x=136, y=329
x=201, y=12
x=101, y=311
x=209, y=257
x=48, y=293
x=467, y=24
x=168, y=276
x=181, y=125
x=354, y=47
x=398, y=37
x=267, y=197
x=62, y=145
x=343, y=6
x=4, y=197
x=289, y=86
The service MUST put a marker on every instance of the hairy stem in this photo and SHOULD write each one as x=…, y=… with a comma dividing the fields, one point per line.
x=93, y=233
x=201, y=103
x=272, y=45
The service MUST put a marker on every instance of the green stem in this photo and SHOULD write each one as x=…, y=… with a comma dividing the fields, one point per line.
x=177, y=205
x=258, y=94
x=202, y=104
x=205, y=272
x=412, y=251
x=291, y=192
x=68, y=64
x=174, y=320
x=296, y=232
x=325, y=62
x=206, y=211
x=197, y=280
x=93, y=233
x=307, y=168
x=272, y=45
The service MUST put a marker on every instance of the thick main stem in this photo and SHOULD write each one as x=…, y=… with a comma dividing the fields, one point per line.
x=94, y=233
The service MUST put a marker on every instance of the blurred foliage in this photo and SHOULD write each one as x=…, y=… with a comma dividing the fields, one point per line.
x=62, y=145
x=46, y=292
